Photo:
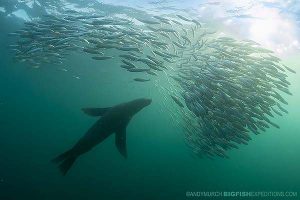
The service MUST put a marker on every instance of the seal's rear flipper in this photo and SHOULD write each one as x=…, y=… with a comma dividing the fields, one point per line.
x=121, y=141
x=95, y=112
x=66, y=165
x=66, y=161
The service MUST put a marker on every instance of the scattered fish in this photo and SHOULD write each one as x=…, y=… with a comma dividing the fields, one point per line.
x=137, y=70
x=141, y=80
x=289, y=69
x=151, y=73
x=184, y=18
x=76, y=77
x=177, y=101
x=101, y=57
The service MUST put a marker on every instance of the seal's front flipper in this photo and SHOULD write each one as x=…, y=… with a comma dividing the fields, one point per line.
x=95, y=112
x=121, y=141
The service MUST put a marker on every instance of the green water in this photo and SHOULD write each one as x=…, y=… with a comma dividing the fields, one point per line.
x=40, y=117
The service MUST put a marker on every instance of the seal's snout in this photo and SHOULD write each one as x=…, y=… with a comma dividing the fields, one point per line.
x=148, y=101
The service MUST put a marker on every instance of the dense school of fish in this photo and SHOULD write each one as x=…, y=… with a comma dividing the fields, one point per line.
x=226, y=88
x=233, y=88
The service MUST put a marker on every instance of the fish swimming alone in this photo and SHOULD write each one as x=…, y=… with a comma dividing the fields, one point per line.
x=177, y=101
x=141, y=80
x=113, y=120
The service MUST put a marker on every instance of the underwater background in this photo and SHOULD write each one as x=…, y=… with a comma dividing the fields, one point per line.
x=40, y=115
